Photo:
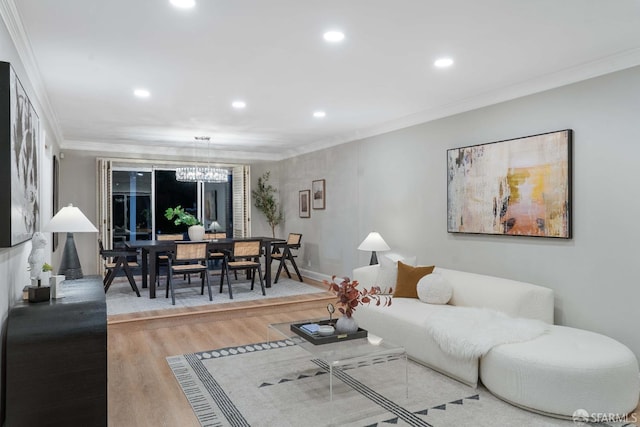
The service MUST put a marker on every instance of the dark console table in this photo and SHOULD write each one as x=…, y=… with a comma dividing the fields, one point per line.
x=56, y=359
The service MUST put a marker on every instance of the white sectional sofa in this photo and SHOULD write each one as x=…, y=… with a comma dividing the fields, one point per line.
x=557, y=373
x=403, y=322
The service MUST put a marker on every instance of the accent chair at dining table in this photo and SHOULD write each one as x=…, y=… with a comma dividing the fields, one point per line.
x=244, y=255
x=188, y=258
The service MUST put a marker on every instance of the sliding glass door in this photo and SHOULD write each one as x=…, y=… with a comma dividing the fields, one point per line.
x=131, y=206
x=170, y=193
x=218, y=207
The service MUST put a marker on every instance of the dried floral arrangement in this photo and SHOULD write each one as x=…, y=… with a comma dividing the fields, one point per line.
x=349, y=296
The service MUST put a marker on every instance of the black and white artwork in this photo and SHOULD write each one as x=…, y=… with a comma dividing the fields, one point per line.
x=19, y=143
x=318, y=194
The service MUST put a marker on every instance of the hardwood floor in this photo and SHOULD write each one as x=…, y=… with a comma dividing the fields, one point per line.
x=142, y=390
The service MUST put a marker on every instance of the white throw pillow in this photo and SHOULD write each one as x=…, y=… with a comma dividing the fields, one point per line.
x=388, y=271
x=434, y=289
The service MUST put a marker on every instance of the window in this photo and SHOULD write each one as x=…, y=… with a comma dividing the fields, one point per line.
x=218, y=207
x=170, y=193
x=131, y=206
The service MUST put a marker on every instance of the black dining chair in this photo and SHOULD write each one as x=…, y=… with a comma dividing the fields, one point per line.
x=282, y=253
x=215, y=254
x=162, y=259
x=245, y=255
x=116, y=260
x=188, y=258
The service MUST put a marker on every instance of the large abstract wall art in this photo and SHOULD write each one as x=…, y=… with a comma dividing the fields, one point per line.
x=516, y=187
x=19, y=146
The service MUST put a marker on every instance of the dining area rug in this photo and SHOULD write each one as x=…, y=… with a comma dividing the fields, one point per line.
x=122, y=300
x=279, y=384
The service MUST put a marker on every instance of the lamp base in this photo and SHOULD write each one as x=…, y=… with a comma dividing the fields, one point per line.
x=374, y=258
x=72, y=273
x=70, y=264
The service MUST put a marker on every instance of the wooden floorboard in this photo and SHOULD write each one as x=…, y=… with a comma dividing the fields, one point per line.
x=142, y=390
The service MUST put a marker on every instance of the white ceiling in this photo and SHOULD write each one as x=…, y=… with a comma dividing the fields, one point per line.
x=91, y=55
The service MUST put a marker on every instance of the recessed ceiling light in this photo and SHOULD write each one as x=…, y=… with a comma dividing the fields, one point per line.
x=183, y=4
x=319, y=114
x=443, y=62
x=142, y=93
x=333, y=36
x=239, y=105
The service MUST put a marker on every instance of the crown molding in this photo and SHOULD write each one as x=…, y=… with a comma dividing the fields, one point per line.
x=142, y=150
x=606, y=65
x=11, y=17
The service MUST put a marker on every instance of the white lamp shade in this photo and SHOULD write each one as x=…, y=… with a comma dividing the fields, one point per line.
x=215, y=225
x=70, y=220
x=374, y=242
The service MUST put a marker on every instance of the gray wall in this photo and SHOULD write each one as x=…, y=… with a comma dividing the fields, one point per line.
x=78, y=175
x=396, y=184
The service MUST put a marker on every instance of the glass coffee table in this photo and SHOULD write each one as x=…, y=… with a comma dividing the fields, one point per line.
x=337, y=355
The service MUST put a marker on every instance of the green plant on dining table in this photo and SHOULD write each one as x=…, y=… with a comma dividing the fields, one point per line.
x=181, y=216
x=349, y=296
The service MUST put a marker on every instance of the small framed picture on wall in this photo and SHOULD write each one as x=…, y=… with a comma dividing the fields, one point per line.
x=303, y=203
x=318, y=194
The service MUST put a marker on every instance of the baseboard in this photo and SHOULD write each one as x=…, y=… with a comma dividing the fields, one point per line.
x=315, y=275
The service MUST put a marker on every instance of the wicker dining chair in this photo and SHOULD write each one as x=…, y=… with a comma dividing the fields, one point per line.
x=245, y=255
x=162, y=259
x=188, y=258
x=282, y=252
x=213, y=236
x=215, y=254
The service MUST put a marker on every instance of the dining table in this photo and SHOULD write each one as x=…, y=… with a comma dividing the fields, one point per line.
x=149, y=250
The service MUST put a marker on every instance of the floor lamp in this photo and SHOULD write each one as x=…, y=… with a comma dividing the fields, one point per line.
x=374, y=242
x=70, y=220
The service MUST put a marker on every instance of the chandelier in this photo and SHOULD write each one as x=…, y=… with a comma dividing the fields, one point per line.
x=202, y=174
x=199, y=173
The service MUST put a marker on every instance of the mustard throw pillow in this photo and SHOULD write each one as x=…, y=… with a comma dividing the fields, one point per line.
x=408, y=277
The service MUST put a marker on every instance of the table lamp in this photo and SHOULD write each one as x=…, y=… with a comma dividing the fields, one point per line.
x=214, y=225
x=374, y=242
x=70, y=220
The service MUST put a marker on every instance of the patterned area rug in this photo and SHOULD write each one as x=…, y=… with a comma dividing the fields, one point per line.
x=121, y=299
x=278, y=384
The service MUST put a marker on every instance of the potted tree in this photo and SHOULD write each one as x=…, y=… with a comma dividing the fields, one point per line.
x=265, y=201
x=180, y=216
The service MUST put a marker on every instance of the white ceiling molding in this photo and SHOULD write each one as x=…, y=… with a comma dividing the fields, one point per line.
x=182, y=152
x=11, y=18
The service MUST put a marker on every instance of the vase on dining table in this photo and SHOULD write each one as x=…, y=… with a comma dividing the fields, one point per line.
x=196, y=232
